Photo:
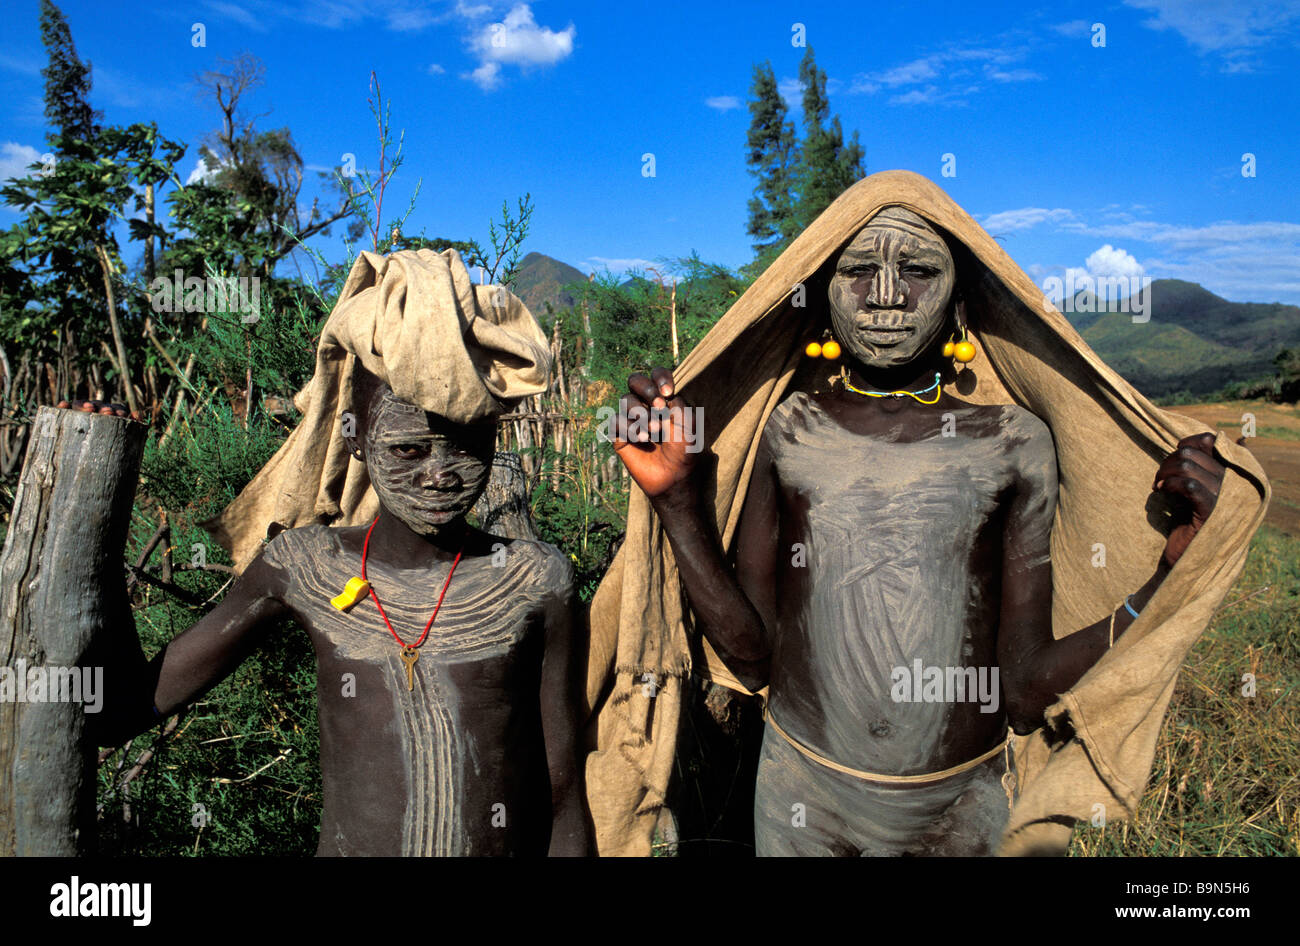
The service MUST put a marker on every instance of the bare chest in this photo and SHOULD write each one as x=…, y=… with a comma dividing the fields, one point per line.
x=487, y=618
x=952, y=479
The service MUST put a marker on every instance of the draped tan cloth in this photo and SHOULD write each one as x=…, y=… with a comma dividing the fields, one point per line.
x=1099, y=739
x=416, y=321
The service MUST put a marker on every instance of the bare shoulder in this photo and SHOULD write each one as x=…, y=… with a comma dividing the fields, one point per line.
x=1021, y=427
x=793, y=410
x=1028, y=442
x=291, y=549
x=285, y=556
x=548, y=567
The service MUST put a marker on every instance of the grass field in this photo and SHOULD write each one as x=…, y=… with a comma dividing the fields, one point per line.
x=1226, y=779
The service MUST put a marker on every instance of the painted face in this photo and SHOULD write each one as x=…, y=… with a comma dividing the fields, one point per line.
x=427, y=471
x=890, y=291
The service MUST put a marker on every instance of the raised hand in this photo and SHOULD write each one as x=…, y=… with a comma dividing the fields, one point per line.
x=652, y=433
x=1193, y=475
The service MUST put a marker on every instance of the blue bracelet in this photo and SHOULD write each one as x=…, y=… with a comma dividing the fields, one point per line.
x=1129, y=608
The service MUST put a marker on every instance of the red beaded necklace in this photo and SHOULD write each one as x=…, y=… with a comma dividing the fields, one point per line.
x=409, y=653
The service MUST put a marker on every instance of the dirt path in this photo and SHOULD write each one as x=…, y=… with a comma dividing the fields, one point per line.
x=1276, y=446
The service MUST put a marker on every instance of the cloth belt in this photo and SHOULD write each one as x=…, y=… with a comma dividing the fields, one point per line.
x=923, y=779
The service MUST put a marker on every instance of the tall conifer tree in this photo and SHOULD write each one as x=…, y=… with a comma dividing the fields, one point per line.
x=826, y=165
x=74, y=288
x=771, y=157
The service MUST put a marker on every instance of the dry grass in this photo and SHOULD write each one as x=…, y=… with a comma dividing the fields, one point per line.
x=1226, y=778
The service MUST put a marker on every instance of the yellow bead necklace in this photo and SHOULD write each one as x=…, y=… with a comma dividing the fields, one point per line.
x=937, y=388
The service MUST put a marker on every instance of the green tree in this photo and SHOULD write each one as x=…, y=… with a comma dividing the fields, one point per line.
x=261, y=175
x=827, y=165
x=1288, y=370
x=69, y=267
x=67, y=86
x=772, y=155
x=796, y=178
x=62, y=299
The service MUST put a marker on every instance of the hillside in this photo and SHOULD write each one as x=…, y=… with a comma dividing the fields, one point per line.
x=1195, y=341
x=1257, y=326
x=1160, y=358
x=541, y=281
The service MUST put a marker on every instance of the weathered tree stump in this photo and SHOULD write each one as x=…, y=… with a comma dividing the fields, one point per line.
x=503, y=509
x=62, y=590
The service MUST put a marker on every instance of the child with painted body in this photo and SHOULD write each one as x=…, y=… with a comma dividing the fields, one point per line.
x=879, y=532
x=447, y=701
x=478, y=753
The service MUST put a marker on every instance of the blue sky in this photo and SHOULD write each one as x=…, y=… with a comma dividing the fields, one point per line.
x=1118, y=159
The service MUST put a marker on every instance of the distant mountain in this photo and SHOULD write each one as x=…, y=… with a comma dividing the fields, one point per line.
x=541, y=280
x=1195, y=341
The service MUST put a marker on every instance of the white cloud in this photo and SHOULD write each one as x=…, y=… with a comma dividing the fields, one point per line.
x=929, y=95
x=1222, y=25
x=1024, y=218
x=397, y=15
x=401, y=16
x=620, y=265
x=487, y=76
x=1252, y=262
x=518, y=40
x=945, y=77
x=15, y=158
x=1271, y=232
x=1126, y=214
x=410, y=19
x=1103, y=265
x=202, y=173
x=521, y=40
x=1014, y=51
x=27, y=67
x=1243, y=274
x=918, y=70
x=239, y=14
x=1273, y=237
x=1012, y=75
x=472, y=11
x=1113, y=261
x=722, y=102
x=435, y=69
x=1072, y=28
x=333, y=14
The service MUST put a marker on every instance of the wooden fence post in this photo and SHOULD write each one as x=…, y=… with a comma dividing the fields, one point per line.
x=62, y=589
x=504, y=509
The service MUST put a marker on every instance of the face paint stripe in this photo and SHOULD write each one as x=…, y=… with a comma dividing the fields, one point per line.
x=915, y=301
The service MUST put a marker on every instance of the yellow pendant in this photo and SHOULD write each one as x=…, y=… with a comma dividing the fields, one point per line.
x=354, y=591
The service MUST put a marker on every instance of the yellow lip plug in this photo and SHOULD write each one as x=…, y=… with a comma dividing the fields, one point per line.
x=353, y=591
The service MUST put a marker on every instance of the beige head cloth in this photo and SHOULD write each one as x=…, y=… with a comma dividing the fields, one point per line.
x=1100, y=740
x=417, y=322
